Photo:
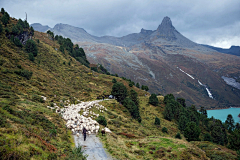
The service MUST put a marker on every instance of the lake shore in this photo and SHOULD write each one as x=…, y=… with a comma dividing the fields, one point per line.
x=221, y=108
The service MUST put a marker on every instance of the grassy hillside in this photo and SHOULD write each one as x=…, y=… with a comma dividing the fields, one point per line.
x=29, y=130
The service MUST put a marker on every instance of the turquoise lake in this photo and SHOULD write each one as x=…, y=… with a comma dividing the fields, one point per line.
x=223, y=113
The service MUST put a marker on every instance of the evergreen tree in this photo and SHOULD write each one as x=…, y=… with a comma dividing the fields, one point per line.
x=30, y=57
x=31, y=47
x=207, y=137
x=217, y=135
x=230, y=123
x=168, y=98
x=157, y=121
x=17, y=42
x=137, y=85
x=119, y=91
x=31, y=31
x=168, y=112
x=1, y=28
x=181, y=101
x=2, y=10
x=4, y=19
x=203, y=111
x=61, y=49
x=132, y=108
x=182, y=122
x=153, y=100
x=134, y=97
x=192, y=132
x=114, y=80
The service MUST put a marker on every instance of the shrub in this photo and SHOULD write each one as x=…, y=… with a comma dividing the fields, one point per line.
x=38, y=98
x=1, y=29
x=114, y=80
x=24, y=73
x=101, y=120
x=17, y=42
x=31, y=47
x=157, y=121
x=207, y=137
x=178, y=135
x=164, y=130
x=153, y=100
x=7, y=30
x=77, y=154
x=30, y=57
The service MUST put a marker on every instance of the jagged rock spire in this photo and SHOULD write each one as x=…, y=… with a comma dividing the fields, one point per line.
x=166, y=30
x=166, y=23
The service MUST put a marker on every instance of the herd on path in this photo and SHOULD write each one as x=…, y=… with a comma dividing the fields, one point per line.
x=77, y=122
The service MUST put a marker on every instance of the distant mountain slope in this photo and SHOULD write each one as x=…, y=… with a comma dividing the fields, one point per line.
x=163, y=59
x=39, y=27
x=233, y=50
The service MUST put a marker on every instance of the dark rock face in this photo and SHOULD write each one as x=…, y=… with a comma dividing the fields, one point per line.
x=166, y=30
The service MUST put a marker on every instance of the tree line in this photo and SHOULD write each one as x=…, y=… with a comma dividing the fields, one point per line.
x=196, y=126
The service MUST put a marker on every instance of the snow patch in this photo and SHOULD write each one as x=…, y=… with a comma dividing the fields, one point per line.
x=200, y=83
x=209, y=93
x=186, y=73
x=232, y=82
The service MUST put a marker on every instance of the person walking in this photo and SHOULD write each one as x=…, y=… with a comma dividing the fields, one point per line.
x=84, y=133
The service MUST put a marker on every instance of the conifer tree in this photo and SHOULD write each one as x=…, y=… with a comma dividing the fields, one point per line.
x=157, y=121
x=182, y=122
x=119, y=91
x=153, y=100
x=192, y=132
x=230, y=123
x=134, y=97
x=168, y=112
x=137, y=85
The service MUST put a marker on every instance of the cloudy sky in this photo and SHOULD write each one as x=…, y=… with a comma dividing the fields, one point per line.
x=213, y=22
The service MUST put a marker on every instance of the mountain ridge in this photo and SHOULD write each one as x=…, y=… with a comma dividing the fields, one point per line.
x=157, y=59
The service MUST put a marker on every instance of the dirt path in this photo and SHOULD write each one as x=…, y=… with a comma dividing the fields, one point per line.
x=93, y=147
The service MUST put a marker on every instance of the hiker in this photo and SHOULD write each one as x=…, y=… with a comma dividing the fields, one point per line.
x=103, y=97
x=84, y=133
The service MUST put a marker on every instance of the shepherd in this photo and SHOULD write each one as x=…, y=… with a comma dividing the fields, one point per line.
x=84, y=133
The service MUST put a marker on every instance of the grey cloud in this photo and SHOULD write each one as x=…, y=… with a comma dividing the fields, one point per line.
x=201, y=21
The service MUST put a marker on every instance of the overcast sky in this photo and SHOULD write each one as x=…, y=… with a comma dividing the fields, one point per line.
x=213, y=22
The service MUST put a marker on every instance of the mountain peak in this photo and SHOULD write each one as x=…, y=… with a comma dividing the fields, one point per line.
x=166, y=24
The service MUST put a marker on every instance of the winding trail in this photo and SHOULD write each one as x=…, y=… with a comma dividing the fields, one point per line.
x=92, y=147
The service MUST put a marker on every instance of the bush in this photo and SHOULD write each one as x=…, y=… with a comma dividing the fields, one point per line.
x=24, y=73
x=77, y=154
x=30, y=57
x=37, y=98
x=207, y=137
x=164, y=130
x=101, y=120
x=114, y=80
x=153, y=100
x=178, y=135
x=17, y=42
x=1, y=29
x=157, y=121
x=31, y=47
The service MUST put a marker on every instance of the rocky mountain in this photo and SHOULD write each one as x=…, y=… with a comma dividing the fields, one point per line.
x=234, y=50
x=39, y=27
x=165, y=61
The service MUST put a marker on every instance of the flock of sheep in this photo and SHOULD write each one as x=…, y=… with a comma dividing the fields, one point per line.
x=76, y=122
